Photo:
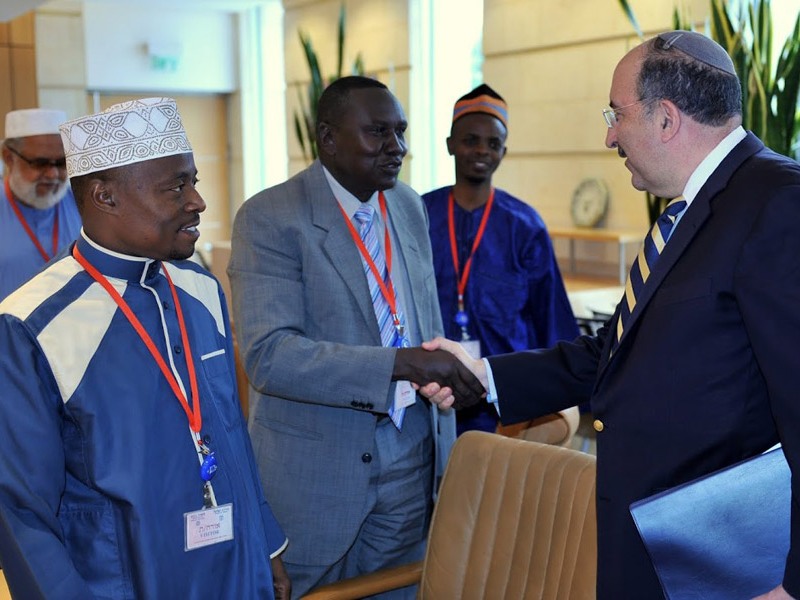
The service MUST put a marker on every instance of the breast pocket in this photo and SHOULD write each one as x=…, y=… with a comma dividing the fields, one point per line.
x=684, y=291
x=222, y=387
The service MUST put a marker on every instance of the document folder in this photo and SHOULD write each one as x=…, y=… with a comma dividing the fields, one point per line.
x=724, y=536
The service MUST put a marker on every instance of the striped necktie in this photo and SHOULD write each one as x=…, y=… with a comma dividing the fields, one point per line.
x=646, y=260
x=364, y=216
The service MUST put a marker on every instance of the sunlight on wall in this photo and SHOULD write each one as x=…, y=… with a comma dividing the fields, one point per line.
x=446, y=59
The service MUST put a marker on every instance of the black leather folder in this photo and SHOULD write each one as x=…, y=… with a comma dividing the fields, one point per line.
x=724, y=536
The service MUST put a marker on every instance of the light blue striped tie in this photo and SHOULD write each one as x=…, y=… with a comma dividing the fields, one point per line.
x=646, y=260
x=383, y=313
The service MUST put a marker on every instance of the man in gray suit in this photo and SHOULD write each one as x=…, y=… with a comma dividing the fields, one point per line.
x=352, y=488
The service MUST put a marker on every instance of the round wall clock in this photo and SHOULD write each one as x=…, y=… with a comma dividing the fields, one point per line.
x=589, y=202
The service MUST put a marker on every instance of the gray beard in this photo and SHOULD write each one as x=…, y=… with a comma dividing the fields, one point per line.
x=25, y=192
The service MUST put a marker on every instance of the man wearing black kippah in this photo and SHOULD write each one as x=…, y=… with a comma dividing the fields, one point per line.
x=698, y=367
x=500, y=289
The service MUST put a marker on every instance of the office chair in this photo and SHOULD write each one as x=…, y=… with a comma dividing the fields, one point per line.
x=515, y=520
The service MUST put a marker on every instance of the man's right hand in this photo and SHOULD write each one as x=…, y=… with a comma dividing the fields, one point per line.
x=444, y=396
x=423, y=366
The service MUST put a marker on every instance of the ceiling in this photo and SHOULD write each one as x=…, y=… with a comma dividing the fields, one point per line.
x=9, y=9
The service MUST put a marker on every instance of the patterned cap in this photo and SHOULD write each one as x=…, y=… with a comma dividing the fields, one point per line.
x=123, y=134
x=33, y=121
x=482, y=99
x=699, y=47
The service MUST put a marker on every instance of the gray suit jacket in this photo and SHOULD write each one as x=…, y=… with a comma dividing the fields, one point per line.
x=311, y=348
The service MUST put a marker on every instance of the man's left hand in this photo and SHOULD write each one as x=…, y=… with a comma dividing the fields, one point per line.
x=777, y=593
x=281, y=583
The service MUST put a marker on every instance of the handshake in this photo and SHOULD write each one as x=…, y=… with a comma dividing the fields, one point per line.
x=442, y=371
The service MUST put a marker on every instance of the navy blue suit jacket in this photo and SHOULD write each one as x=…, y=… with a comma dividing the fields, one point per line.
x=708, y=371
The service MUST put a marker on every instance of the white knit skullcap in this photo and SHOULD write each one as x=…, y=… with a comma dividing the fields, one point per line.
x=124, y=134
x=33, y=121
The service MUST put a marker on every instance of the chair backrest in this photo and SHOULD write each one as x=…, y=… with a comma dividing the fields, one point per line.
x=515, y=519
x=4, y=593
x=557, y=428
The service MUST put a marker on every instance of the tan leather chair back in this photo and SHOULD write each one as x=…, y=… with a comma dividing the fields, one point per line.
x=557, y=429
x=515, y=520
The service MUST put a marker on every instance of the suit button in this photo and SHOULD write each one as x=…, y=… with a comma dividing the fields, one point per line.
x=598, y=425
x=366, y=457
x=354, y=403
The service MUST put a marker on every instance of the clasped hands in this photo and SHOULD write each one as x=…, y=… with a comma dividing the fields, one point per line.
x=442, y=371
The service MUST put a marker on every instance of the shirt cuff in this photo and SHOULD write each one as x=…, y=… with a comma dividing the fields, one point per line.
x=491, y=396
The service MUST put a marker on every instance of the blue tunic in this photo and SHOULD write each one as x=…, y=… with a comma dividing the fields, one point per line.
x=19, y=258
x=515, y=297
x=98, y=465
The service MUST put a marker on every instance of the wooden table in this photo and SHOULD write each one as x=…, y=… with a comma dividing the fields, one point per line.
x=620, y=238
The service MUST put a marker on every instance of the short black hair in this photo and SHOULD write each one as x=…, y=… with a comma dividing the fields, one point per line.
x=707, y=94
x=80, y=184
x=334, y=98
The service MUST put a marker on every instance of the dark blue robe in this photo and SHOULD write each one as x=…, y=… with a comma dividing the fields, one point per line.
x=515, y=297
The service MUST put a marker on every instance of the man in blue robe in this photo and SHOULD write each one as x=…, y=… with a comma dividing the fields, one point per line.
x=38, y=215
x=126, y=470
x=500, y=289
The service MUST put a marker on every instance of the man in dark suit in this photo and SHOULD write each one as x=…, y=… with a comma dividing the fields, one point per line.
x=698, y=367
x=354, y=486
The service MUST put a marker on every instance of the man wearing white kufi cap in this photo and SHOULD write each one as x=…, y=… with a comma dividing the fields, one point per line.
x=38, y=216
x=127, y=471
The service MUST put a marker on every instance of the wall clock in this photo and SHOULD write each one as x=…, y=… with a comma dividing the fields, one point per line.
x=589, y=202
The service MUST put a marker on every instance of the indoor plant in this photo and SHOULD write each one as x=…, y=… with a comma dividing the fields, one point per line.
x=305, y=120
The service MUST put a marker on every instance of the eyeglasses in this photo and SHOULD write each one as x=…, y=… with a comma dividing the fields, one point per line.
x=610, y=114
x=41, y=164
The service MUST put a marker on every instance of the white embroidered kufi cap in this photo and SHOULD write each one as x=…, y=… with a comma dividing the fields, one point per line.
x=124, y=134
x=33, y=121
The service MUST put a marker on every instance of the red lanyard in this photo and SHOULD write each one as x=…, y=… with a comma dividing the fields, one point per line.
x=451, y=225
x=28, y=229
x=193, y=414
x=387, y=291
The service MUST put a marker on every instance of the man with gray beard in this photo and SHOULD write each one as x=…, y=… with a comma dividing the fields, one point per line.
x=38, y=215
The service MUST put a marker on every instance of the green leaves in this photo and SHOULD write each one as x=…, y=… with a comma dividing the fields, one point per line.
x=769, y=93
x=305, y=121
x=626, y=8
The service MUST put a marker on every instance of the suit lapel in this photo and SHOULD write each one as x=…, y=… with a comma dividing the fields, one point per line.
x=691, y=222
x=339, y=246
x=398, y=208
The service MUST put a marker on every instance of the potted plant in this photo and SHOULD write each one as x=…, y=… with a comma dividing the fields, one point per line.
x=305, y=121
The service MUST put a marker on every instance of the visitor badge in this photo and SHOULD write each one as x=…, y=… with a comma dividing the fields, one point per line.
x=473, y=348
x=208, y=526
x=404, y=395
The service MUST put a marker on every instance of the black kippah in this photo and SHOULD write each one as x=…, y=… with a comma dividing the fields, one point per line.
x=699, y=47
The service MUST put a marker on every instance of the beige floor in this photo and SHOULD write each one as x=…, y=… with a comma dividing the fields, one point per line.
x=575, y=283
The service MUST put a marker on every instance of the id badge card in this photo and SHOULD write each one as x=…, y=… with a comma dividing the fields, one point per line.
x=207, y=526
x=473, y=348
x=404, y=395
